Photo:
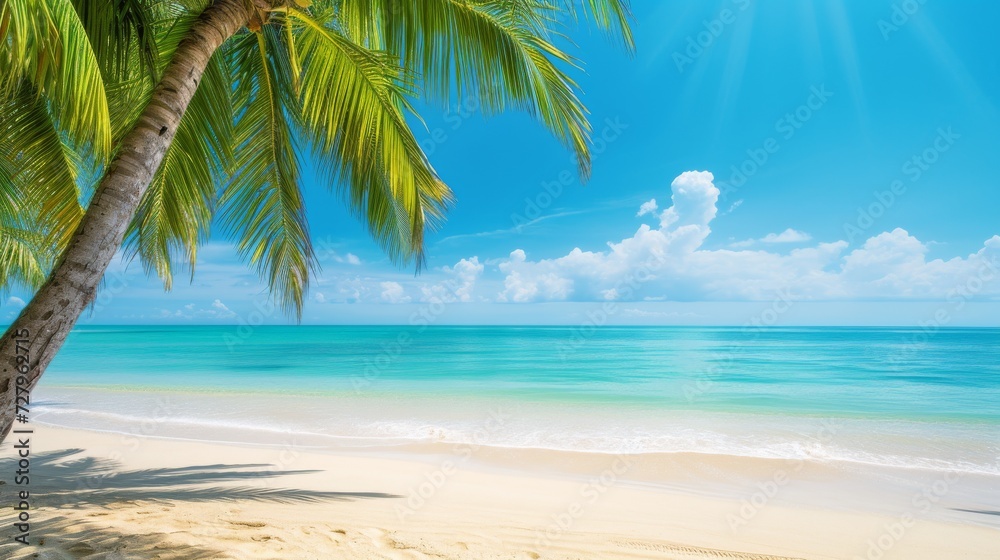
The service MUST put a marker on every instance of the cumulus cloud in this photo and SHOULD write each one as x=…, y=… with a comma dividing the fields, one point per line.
x=535, y=284
x=352, y=290
x=669, y=262
x=647, y=208
x=788, y=236
x=15, y=302
x=459, y=284
x=393, y=292
x=348, y=258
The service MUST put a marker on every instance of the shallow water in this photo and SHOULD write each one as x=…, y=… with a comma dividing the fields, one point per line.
x=893, y=397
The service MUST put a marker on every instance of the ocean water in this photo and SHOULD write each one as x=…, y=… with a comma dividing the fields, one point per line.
x=904, y=398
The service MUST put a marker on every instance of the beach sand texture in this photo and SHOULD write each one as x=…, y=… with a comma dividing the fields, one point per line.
x=98, y=496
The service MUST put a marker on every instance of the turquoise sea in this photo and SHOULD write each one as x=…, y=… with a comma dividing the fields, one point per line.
x=909, y=398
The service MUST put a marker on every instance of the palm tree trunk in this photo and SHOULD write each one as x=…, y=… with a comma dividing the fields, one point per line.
x=44, y=323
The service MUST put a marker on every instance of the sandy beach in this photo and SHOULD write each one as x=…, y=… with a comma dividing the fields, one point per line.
x=112, y=496
x=484, y=280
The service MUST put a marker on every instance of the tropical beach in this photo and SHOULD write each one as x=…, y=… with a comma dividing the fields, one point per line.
x=265, y=454
x=173, y=500
x=499, y=279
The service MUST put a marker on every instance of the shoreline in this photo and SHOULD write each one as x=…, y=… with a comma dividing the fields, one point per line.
x=427, y=500
x=347, y=421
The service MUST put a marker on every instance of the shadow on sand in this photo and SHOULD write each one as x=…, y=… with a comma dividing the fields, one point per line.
x=64, y=480
x=65, y=538
x=978, y=511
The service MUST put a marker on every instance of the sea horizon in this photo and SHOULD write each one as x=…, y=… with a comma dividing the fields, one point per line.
x=892, y=399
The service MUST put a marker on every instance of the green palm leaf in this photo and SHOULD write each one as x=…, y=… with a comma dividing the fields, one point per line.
x=26, y=240
x=123, y=35
x=336, y=79
x=353, y=109
x=42, y=167
x=611, y=16
x=23, y=257
x=176, y=211
x=44, y=42
x=262, y=207
x=492, y=51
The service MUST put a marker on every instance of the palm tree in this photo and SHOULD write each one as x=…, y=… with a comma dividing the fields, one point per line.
x=135, y=124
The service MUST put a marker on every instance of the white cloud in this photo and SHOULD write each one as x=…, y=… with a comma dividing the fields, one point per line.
x=393, y=292
x=319, y=297
x=190, y=311
x=459, y=284
x=221, y=310
x=734, y=206
x=694, y=197
x=16, y=302
x=670, y=263
x=353, y=290
x=329, y=249
x=788, y=236
x=647, y=208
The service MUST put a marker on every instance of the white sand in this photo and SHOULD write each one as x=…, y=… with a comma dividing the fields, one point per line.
x=124, y=497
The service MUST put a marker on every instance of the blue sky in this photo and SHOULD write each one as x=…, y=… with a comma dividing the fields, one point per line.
x=850, y=145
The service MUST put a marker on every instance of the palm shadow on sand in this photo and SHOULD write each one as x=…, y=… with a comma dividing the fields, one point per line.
x=66, y=480
x=59, y=480
x=978, y=511
x=65, y=538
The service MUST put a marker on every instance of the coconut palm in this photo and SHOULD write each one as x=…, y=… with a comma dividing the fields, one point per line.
x=136, y=124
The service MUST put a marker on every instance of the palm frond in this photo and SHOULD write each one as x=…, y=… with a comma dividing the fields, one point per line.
x=24, y=253
x=42, y=167
x=611, y=16
x=8, y=191
x=479, y=49
x=122, y=35
x=131, y=87
x=262, y=208
x=176, y=211
x=353, y=109
x=44, y=42
x=24, y=258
